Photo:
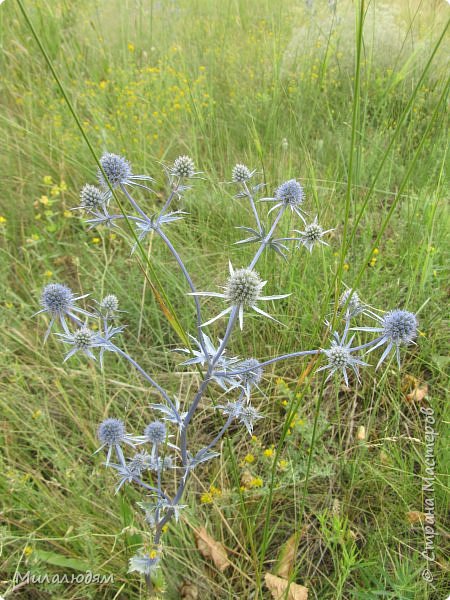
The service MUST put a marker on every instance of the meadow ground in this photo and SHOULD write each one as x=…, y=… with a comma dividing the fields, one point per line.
x=271, y=84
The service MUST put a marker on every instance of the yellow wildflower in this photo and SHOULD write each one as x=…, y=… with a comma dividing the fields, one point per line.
x=44, y=200
x=48, y=273
x=96, y=240
x=130, y=47
x=249, y=458
x=206, y=498
x=28, y=550
x=47, y=180
x=268, y=452
x=36, y=414
x=256, y=482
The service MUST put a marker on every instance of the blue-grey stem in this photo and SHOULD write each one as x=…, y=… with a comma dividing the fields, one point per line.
x=146, y=376
x=269, y=362
x=185, y=272
x=267, y=238
x=252, y=203
x=134, y=204
x=205, y=382
x=170, y=198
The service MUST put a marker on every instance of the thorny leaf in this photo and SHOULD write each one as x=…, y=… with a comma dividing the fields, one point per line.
x=211, y=549
x=277, y=587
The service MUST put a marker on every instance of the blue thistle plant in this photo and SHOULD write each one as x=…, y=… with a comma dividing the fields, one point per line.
x=238, y=378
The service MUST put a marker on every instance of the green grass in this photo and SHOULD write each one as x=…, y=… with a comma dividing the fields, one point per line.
x=270, y=84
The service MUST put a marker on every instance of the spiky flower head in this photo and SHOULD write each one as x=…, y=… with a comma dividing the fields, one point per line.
x=83, y=338
x=109, y=304
x=253, y=372
x=139, y=463
x=92, y=198
x=155, y=432
x=338, y=357
x=354, y=305
x=117, y=170
x=248, y=416
x=400, y=326
x=57, y=298
x=111, y=432
x=240, y=173
x=243, y=287
x=183, y=166
x=290, y=193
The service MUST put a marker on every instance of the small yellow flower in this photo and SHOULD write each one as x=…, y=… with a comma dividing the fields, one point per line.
x=47, y=180
x=165, y=528
x=256, y=482
x=9, y=305
x=102, y=84
x=268, y=452
x=63, y=185
x=284, y=402
x=54, y=191
x=282, y=464
x=96, y=240
x=35, y=237
x=2, y=220
x=202, y=68
x=206, y=498
x=36, y=414
x=249, y=458
x=375, y=251
x=346, y=266
x=254, y=439
x=215, y=491
x=152, y=554
x=130, y=47
x=48, y=273
x=68, y=214
x=28, y=550
x=112, y=236
x=44, y=200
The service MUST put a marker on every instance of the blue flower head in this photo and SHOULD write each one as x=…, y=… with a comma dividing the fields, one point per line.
x=156, y=432
x=59, y=301
x=117, y=170
x=290, y=193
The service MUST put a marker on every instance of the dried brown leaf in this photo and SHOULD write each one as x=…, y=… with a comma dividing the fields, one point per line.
x=211, y=549
x=188, y=591
x=415, y=516
x=419, y=393
x=287, y=557
x=277, y=587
